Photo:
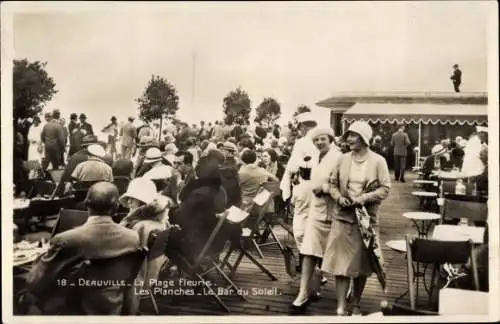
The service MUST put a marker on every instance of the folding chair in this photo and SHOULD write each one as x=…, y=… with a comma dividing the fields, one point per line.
x=198, y=272
x=437, y=254
x=69, y=219
x=124, y=268
x=157, y=243
x=80, y=190
x=475, y=209
x=56, y=175
x=247, y=238
x=269, y=221
x=41, y=209
x=42, y=188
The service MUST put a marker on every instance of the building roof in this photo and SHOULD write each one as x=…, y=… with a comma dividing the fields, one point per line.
x=341, y=100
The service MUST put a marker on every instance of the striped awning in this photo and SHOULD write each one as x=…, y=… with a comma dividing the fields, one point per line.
x=419, y=113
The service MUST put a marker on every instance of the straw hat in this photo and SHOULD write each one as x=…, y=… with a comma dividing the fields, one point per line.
x=153, y=154
x=438, y=149
x=96, y=150
x=141, y=189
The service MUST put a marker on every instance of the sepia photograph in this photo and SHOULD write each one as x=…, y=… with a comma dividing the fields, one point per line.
x=250, y=161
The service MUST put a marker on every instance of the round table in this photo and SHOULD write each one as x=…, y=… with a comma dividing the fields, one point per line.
x=425, y=197
x=397, y=245
x=449, y=175
x=421, y=181
x=423, y=221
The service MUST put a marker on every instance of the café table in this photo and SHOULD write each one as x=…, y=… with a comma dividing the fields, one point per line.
x=454, y=301
x=26, y=252
x=444, y=232
x=422, y=221
x=426, y=197
x=450, y=175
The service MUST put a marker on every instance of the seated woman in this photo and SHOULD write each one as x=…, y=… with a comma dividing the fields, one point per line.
x=148, y=213
x=435, y=162
x=202, y=199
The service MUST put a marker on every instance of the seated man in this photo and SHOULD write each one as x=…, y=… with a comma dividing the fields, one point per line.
x=99, y=238
x=94, y=169
x=75, y=159
x=436, y=162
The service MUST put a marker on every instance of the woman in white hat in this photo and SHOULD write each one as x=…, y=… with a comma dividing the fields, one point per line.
x=435, y=162
x=148, y=212
x=319, y=219
x=360, y=178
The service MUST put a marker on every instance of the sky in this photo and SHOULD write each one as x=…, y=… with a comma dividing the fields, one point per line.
x=102, y=58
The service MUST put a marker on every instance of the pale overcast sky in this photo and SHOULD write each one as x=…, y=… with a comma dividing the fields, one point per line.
x=101, y=59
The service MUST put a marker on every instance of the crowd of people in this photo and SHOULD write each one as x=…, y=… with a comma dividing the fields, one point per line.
x=182, y=178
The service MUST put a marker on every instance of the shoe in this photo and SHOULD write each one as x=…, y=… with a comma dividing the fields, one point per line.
x=341, y=312
x=403, y=180
x=356, y=311
x=314, y=297
x=300, y=309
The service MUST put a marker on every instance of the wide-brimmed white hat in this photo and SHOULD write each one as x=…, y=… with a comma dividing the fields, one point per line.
x=161, y=172
x=141, y=189
x=306, y=117
x=96, y=150
x=362, y=129
x=153, y=154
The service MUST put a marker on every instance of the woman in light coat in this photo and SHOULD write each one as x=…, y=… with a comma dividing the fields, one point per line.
x=319, y=220
x=360, y=178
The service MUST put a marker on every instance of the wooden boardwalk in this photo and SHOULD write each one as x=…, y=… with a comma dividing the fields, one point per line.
x=393, y=226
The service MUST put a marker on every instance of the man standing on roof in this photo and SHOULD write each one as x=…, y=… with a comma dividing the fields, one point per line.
x=456, y=78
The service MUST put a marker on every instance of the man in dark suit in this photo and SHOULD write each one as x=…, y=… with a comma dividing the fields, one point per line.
x=53, y=139
x=456, y=78
x=85, y=127
x=400, y=141
x=99, y=238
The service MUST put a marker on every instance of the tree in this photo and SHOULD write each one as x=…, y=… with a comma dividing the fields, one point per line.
x=236, y=105
x=159, y=100
x=268, y=111
x=301, y=109
x=32, y=86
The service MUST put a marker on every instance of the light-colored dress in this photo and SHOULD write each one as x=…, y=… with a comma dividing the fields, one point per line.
x=346, y=254
x=34, y=140
x=319, y=220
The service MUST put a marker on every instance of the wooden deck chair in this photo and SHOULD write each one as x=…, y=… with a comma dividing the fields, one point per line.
x=157, y=243
x=122, y=268
x=437, y=253
x=69, y=219
x=248, y=238
x=210, y=264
